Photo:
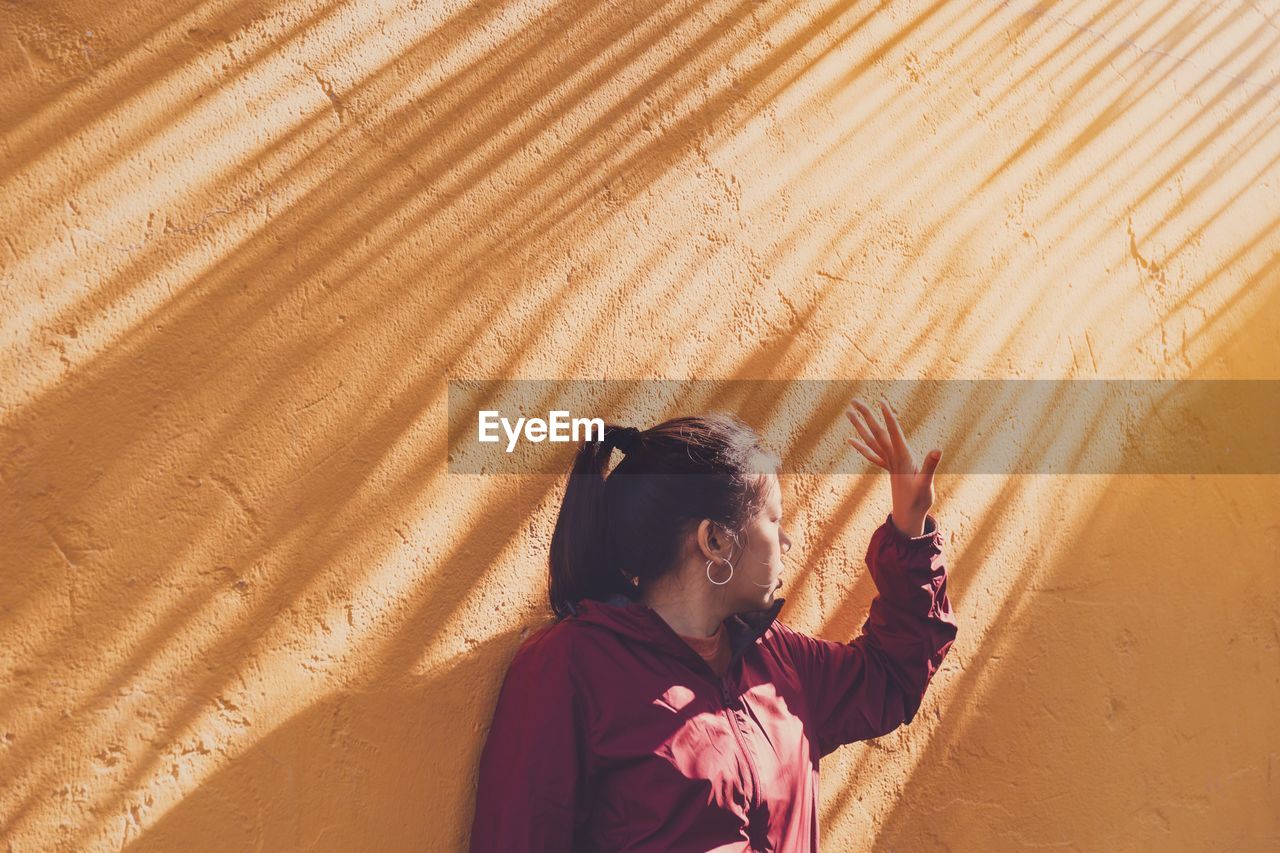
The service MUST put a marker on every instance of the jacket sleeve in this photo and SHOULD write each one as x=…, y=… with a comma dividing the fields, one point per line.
x=873, y=684
x=532, y=783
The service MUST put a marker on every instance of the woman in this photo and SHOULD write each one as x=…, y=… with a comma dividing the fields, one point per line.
x=667, y=708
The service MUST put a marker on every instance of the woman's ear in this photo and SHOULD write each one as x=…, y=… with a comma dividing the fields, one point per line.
x=709, y=539
x=714, y=541
x=704, y=538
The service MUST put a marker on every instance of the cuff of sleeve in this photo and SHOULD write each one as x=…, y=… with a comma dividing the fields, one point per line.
x=931, y=534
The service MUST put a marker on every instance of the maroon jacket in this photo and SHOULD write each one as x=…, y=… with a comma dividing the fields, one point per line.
x=611, y=733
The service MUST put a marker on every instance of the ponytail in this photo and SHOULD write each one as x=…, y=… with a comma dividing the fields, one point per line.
x=580, y=565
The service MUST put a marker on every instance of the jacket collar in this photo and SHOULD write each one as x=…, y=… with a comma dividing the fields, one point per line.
x=626, y=616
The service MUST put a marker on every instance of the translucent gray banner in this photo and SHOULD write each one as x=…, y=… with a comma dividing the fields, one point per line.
x=1005, y=426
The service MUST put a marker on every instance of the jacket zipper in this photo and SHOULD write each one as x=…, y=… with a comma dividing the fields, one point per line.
x=727, y=696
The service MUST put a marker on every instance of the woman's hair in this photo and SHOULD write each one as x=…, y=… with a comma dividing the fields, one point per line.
x=633, y=522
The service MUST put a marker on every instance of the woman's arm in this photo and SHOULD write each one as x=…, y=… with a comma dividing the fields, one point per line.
x=872, y=685
x=869, y=686
x=530, y=794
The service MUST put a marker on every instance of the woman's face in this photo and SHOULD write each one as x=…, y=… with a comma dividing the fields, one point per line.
x=757, y=575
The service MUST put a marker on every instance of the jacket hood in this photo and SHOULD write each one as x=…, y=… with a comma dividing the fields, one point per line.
x=632, y=619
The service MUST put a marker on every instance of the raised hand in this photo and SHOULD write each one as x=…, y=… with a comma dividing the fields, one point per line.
x=886, y=446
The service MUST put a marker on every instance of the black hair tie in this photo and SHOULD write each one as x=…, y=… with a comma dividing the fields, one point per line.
x=626, y=439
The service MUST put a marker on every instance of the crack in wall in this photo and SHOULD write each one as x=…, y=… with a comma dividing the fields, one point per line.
x=329, y=92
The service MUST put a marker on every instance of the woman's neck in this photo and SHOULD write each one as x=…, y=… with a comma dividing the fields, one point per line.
x=689, y=615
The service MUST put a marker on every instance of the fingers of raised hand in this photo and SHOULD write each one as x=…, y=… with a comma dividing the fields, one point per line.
x=901, y=450
x=867, y=426
x=867, y=452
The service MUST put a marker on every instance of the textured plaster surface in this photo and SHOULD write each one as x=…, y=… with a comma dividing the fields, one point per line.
x=245, y=243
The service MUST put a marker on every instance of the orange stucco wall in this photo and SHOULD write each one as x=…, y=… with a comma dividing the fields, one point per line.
x=244, y=605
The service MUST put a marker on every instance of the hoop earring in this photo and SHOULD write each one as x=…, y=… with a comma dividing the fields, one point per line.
x=723, y=582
